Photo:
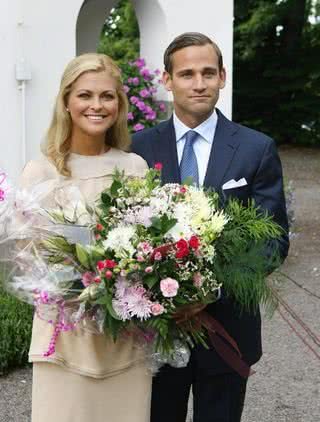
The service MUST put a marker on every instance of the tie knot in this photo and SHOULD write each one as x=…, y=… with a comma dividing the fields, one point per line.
x=191, y=136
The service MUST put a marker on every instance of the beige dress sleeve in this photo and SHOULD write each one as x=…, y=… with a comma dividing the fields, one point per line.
x=82, y=351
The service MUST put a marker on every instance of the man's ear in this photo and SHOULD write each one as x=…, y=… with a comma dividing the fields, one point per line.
x=167, y=81
x=223, y=77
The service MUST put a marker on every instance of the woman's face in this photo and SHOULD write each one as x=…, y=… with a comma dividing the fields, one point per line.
x=93, y=104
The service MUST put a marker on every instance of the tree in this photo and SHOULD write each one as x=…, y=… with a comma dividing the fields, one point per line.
x=276, y=66
x=276, y=73
x=120, y=37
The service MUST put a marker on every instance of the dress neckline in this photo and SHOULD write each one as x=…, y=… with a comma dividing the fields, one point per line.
x=82, y=156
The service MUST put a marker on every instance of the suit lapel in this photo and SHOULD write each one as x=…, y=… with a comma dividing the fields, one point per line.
x=224, y=147
x=165, y=152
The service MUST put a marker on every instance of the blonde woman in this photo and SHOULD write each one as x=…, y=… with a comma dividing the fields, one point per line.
x=88, y=378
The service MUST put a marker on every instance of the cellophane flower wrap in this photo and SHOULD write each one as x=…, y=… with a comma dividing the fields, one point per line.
x=128, y=263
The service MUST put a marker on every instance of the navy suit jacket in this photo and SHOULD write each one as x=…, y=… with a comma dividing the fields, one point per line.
x=237, y=152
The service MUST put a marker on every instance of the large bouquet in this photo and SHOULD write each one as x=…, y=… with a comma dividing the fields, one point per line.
x=130, y=262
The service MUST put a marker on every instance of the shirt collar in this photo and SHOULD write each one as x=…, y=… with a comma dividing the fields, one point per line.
x=206, y=129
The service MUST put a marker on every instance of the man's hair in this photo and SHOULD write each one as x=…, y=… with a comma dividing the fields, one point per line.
x=189, y=39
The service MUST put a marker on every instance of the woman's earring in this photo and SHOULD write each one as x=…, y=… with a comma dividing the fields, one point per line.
x=67, y=110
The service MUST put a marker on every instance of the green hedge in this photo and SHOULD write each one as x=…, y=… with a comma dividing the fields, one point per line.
x=15, y=331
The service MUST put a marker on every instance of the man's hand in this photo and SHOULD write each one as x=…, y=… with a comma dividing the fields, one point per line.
x=186, y=312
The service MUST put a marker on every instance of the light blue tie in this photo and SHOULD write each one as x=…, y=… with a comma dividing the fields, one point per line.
x=189, y=165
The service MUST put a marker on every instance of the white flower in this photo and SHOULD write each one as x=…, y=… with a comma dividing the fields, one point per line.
x=119, y=240
x=158, y=205
x=200, y=204
x=183, y=212
x=73, y=205
x=178, y=231
x=218, y=221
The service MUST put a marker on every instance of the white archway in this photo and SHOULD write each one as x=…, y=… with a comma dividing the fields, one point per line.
x=90, y=20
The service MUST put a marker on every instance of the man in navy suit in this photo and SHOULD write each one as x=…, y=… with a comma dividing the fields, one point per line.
x=235, y=161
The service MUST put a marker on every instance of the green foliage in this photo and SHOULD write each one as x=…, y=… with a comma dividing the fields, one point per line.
x=120, y=38
x=15, y=329
x=276, y=71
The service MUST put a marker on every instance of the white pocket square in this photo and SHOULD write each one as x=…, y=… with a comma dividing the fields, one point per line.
x=231, y=184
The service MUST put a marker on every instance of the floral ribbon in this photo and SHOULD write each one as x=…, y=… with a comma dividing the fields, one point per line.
x=3, y=177
x=224, y=344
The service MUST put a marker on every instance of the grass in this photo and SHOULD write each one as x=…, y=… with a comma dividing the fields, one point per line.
x=15, y=332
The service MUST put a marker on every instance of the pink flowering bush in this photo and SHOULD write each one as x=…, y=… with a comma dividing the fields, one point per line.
x=141, y=85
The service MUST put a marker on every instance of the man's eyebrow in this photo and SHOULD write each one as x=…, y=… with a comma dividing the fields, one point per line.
x=210, y=68
x=205, y=69
x=185, y=71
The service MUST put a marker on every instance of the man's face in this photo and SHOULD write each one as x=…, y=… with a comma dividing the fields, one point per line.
x=195, y=83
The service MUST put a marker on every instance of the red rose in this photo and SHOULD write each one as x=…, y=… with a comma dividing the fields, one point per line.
x=194, y=242
x=110, y=263
x=182, y=244
x=181, y=253
x=158, y=166
x=99, y=227
x=101, y=265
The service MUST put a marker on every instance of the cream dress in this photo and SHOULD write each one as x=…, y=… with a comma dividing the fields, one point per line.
x=88, y=378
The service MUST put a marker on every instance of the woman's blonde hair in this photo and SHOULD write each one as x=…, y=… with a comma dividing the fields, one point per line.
x=58, y=139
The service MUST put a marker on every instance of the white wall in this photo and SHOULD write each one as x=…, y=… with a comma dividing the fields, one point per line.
x=46, y=40
x=49, y=36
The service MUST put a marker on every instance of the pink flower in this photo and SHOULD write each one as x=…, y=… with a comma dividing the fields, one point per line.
x=138, y=127
x=126, y=89
x=139, y=62
x=157, y=309
x=140, y=258
x=130, y=116
x=197, y=280
x=99, y=227
x=148, y=270
x=145, y=73
x=97, y=280
x=109, y=274
x=44, y=297
x=88, y=278
x=158, y=166
x=162, y=106
x=134, y=100
x=144, y=93
x=151, y=116
x=135, y=81
x=183, y=189
x=169, y=287
x=145, y=247
x=157, y=256
x=140, y=105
